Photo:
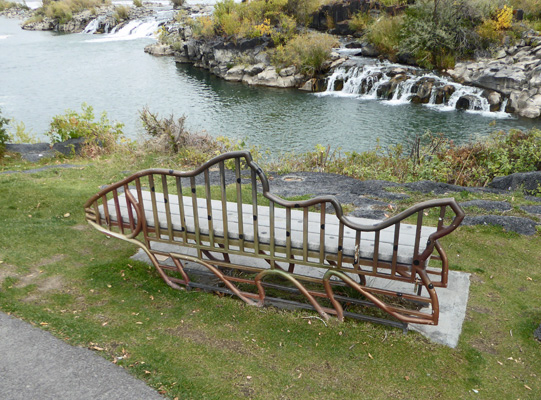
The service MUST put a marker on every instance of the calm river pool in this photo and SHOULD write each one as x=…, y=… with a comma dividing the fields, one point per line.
x=42, y=74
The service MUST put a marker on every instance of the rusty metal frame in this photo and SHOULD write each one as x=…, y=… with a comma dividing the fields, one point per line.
x=123, y=217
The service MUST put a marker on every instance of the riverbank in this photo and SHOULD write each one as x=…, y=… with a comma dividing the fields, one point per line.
x=264, y=55
x=57, y=273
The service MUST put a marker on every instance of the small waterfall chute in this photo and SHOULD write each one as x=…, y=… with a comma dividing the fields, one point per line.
x=135, y=29
x=396, y=85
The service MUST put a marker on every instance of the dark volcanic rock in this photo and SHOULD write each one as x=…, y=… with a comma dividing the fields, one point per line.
x=524, y=226
x=529, y=182
x=488, y=205
x=537, y=333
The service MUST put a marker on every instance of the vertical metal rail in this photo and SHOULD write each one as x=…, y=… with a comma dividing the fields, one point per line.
x=322, y=235
x=224, y=205
x=167, y=207
x=417, y=237
x=142, y=204
x=254, y=211
x=117, y=210
x=340, y=244
x=288, y=233
x=154, y=207
x=106, y=211
x=128, y=206
x=97, y=211
x=395, y=249
x=239, y=204
x=181, y=209
x=272, y=236
x=443, y=209
x=195, y=216
x=357, y=255
x=209, y=207
x=305, y=234
x=375, y=257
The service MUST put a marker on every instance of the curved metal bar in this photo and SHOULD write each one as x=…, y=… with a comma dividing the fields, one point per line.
x=140, y=215
x=180, y=268
x=299, y=286
x=153, y=259
x=429, y=320
x=216, y=272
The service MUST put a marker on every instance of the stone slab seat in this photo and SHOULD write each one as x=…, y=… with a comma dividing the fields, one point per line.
x=385, y=253
x=316, y=253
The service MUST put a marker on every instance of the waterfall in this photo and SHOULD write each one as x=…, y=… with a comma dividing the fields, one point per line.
x=396, y=85
x=134, y=29
x=94, y=25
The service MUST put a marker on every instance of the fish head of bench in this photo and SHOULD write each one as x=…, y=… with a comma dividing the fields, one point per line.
x=118, y=209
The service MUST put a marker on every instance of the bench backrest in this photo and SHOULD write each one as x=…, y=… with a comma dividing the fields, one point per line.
x=204, y=224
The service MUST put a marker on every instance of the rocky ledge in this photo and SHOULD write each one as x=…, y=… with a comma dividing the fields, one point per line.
x=515, y=72
x=105, y=18
x=242, y=60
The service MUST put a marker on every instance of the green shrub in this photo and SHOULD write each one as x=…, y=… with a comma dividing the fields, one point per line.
x=6, y=5
x=434, y=30
x=202, y=27
x=385, y=34
x=308, y=52
x=62, y=10
x=4, y=137
x=59, y=11
x=138, y=3
x=100, y=135
x=121, y=12
x=177, y=3
x=21, y=134
x=360, y=21
x=170, y=135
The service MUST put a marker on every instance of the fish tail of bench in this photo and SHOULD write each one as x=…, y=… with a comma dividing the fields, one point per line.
x=223, y=216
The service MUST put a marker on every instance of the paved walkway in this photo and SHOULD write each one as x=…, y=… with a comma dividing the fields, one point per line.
x=36, y=365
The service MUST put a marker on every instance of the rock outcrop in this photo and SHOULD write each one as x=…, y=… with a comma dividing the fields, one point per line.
x=238, y=60
x=104, y=17
x=515, y=72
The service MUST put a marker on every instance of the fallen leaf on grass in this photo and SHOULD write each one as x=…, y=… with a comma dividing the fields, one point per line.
x=529, y=279
x=407, y=378
x=139, y=323
x=370, y=356
x=66, y=215
x=96, y=348
x=527, y=387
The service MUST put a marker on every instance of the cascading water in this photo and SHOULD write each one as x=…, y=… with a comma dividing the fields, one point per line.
x=135, y=29
x=397, y=84
x=94, y=25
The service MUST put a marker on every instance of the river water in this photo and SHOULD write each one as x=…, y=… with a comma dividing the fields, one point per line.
x=42, y=74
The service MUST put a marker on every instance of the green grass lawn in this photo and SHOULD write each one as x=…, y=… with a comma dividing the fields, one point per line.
x=58, y=273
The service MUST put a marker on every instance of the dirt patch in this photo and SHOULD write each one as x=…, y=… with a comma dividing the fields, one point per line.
x=43, y=285
x=51, y=260
x=484, y=346
x=200, y=337
x=7, y=270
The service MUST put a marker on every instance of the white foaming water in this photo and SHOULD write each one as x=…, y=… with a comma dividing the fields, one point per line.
x=4, y=36
x=364, y=81
x=135, y=29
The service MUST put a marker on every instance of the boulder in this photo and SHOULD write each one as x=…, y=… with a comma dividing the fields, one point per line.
x=529, y=182
x=235, y=74
x=159, y=50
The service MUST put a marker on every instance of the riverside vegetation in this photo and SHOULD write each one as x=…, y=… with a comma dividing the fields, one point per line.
x=60, y=275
